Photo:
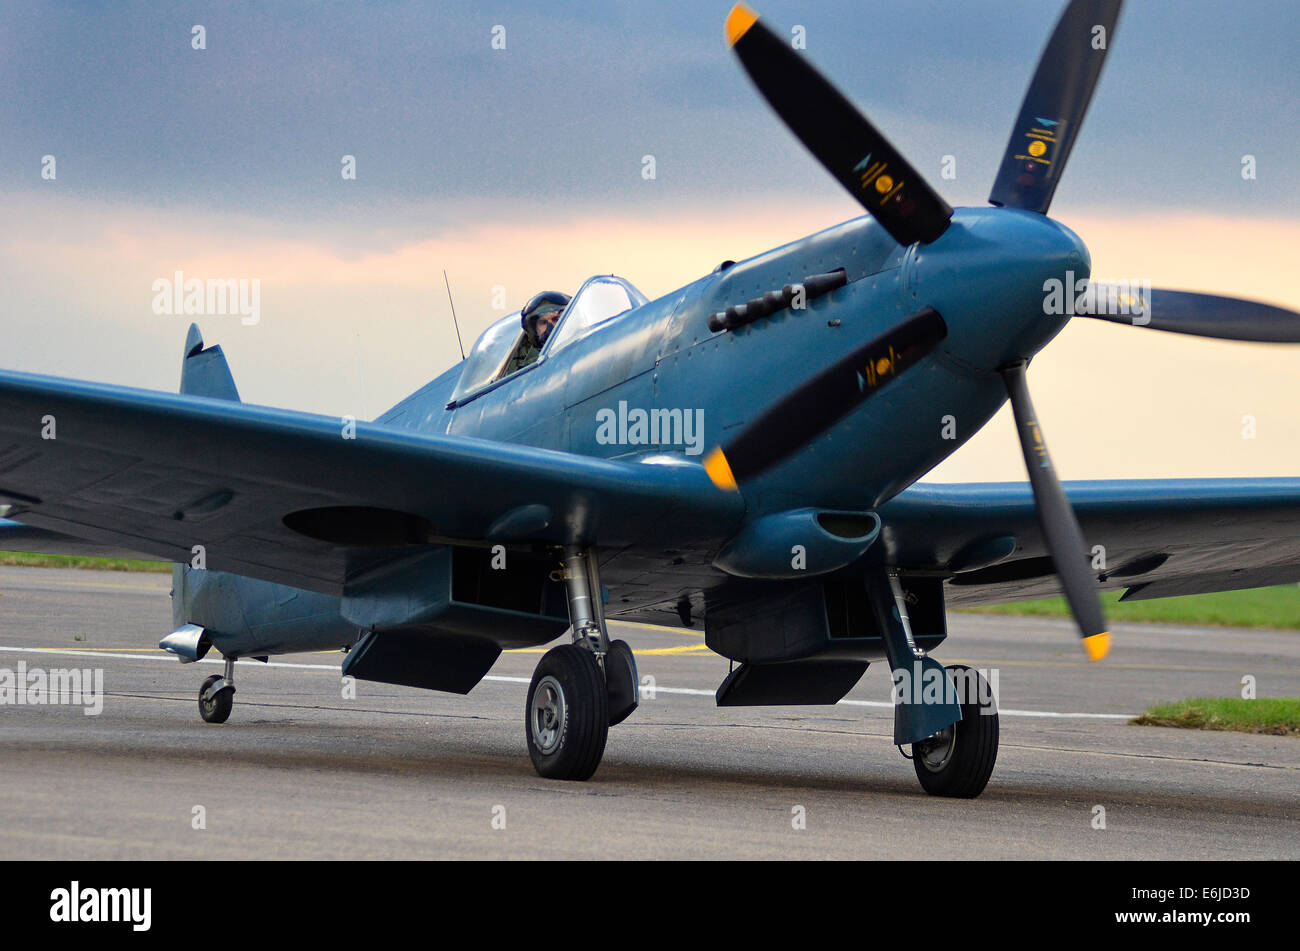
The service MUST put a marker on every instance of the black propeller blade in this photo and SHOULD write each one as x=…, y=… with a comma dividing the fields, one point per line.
x=1187, y=312
x=838, y=135
x=1054, y=106
x=817, y=405
x=1060, y=528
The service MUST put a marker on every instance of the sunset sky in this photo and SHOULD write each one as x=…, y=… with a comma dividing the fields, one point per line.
x=522, y=168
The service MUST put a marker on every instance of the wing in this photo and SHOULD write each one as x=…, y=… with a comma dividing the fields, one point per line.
x=14, y=536
x=1160, y=538
x=308, y=500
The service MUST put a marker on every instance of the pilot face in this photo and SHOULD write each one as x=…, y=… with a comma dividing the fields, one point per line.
x=545, y=324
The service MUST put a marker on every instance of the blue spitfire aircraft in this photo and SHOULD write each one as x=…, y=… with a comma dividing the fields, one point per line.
x=742, y=451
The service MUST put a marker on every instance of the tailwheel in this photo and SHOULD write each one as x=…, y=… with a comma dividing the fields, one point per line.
x=216, y=699
x=567, y=714
x=958, y=760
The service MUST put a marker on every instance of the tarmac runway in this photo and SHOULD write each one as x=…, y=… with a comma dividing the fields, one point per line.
x=301, y=772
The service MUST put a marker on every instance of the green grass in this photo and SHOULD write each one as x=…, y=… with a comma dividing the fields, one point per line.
x=76, y=561
x=1278, y=716
x=1277, y=608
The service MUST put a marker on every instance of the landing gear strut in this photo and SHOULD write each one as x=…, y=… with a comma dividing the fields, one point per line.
x=217, y=695
x=579, y=690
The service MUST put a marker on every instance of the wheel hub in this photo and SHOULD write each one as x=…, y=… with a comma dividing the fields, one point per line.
x=547, y=720
x=934, y=752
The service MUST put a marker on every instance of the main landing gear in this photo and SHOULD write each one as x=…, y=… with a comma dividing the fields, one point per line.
x=579, y=690
x=948, y=716
x=217, y=695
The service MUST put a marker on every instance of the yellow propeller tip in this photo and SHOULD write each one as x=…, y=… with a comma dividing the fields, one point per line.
x=1097, y=646
x=739, y=20
x=719, y=471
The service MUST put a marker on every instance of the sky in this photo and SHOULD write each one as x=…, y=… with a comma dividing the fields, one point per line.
x=524, y=167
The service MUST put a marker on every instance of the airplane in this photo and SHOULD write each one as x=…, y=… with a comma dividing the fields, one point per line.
x=742, y=453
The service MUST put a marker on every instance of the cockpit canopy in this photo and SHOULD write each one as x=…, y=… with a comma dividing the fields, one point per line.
x=598, y=301
x=488, y=356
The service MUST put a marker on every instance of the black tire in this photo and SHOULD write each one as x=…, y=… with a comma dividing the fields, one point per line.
x=216, y=710
x=569, y=742
x=957, y=762
x=621, y=682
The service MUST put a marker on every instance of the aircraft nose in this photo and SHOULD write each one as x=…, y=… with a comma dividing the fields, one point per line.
x=1000, y=277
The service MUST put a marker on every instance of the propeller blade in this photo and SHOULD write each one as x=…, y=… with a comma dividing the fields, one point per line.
x=1061, y=529
x=837, y=134
x=1054, y=105
x=825, y=399
x=1187, y=312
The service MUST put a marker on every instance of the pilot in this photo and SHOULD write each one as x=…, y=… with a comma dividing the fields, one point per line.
x=538, y=318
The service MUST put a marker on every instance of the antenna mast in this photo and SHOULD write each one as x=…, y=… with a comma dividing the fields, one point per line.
x=454, y=322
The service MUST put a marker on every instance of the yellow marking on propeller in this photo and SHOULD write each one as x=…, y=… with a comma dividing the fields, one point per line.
x=877, y=368
x=1097, y=646
x=719, y=470
x=1037, y=148
x=739, y=20
x=884, y=183
x=874, y=169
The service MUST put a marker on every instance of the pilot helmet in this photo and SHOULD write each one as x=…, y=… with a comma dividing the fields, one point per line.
x=545, y=302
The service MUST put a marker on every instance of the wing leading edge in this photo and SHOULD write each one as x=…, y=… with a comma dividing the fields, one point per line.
x=303, y=499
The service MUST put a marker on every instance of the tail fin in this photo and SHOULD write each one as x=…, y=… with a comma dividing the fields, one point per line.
x=204, y=372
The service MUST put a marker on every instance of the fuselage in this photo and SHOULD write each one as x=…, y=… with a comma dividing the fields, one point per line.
x=985, y=276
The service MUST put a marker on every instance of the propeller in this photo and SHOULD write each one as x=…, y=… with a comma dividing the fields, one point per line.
x=813, y=408
x=905, y=205
x=1061, y=529
x=1186, y=312
x=840, y=137
x=1054, y=105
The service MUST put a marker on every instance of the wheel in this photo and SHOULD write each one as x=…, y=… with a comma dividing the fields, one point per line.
x=567, y=714
x=958, y=760
x=217, y=709
x=621, y=682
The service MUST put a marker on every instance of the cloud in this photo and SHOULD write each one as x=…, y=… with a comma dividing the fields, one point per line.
x=339, y=306
x=260, y=119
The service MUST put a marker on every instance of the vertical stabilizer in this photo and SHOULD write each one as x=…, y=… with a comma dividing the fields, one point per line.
x=204, y=372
